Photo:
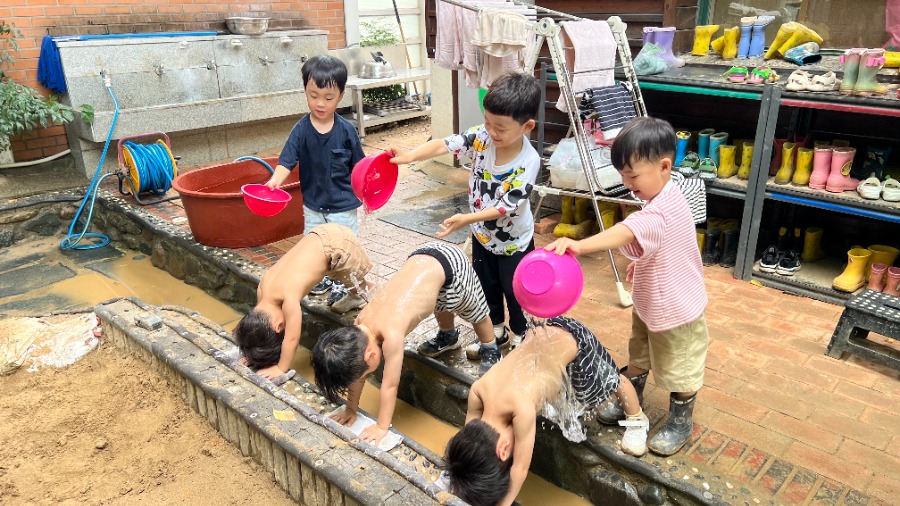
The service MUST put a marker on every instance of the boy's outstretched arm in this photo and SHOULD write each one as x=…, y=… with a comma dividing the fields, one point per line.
x=431, y=149
x=293, y=320
x=461, y=220
x=524, y=421
x=281, y=173
x=614, y=237
x=392, y=349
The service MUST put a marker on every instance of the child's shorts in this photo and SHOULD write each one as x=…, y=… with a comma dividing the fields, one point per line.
x=676, y=356
x=593, y=373
x=461, y=293
x=347, y=262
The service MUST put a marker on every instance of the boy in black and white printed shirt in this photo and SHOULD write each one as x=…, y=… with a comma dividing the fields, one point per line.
x=504, y=169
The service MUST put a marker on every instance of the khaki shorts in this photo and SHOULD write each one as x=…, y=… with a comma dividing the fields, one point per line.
x=347, y=262
x=676, y=356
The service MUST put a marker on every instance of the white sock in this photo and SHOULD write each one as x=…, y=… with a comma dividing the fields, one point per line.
x=498, y=331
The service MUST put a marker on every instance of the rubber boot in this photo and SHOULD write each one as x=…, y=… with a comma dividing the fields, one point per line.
x=891, y=59
x=786, y=171
x=609, y=218
x=577, y=232
x=729, y=242
x=649, y=35
x=702, y=35
x=611, y=412
x=758, y=36
x=804, y=167
x=703, y=142
x=582, y=210
x=727, y=168
x=850, y=60
x=800, y=35
x=701, y=238
x=718, y=45
x=746, y=158
x=875, y=162
x=812, y=244
x=876, y=277
x=710, y=251
x=746, y=34
x=682, y=139
x=777, y=148
x=677, y=429
x=854, y=276
x=716, y=140
x=730, y=45
x=839, y=179
x=568, y=216
x=881, y=254
x=664, y=38
x=867, y=84
x=784, y=33
x=892, y=282
x=821, y=167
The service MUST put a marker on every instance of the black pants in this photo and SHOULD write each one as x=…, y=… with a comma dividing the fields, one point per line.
x=496, y=274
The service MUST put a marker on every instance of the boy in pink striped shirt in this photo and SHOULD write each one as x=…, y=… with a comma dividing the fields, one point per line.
x=668, y=330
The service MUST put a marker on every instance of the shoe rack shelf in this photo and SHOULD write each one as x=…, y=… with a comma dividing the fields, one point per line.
x=814, y=279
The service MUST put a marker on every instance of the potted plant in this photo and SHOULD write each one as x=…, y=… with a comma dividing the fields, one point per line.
x=22, y=108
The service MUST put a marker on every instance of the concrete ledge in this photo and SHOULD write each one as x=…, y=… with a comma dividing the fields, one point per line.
x=315, y=460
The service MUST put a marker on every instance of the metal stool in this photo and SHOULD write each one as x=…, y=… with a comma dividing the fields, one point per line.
x=869, y=311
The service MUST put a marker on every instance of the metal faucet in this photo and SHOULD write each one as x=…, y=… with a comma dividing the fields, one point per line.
x=158, y=68
x=265, y=60
x=209, y=64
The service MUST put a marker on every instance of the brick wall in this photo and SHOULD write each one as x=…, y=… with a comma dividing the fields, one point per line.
x=36, y=18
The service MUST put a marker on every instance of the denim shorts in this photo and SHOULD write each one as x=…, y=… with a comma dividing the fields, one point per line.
x=312, y=219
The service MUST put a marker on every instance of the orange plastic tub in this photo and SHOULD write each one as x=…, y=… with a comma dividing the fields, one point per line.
x=216, y=211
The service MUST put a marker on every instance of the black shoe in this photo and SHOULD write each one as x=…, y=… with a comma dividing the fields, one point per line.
x=490, y=355
x=789, y=263
x=770, y=259
x=710, y=253
x=443, y=341
x=338, y=292
x=473, y=350
x=322, y=286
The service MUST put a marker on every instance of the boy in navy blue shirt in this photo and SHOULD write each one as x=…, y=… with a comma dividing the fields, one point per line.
x=326, y=147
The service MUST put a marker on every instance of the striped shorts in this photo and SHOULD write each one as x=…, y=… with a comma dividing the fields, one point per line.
x=461, y=293
x=593, y=373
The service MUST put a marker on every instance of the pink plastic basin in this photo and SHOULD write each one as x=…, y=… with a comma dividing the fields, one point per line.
x=374, y=179
x=264, y=201
x=547, y=284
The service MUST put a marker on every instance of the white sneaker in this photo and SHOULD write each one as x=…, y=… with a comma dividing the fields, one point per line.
x=634, y=441
x=473, y=350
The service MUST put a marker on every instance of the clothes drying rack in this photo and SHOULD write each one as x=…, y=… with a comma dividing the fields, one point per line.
x=547, y=30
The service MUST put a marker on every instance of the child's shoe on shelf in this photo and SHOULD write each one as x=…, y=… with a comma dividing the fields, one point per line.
x=769, y=260
x=850, y=60
x=788, y=264
x=839, y=179
x=800, y=35
x=870, y=63
x=758, y=35
x=702, y=36
x=892, y=281
x=763, y=75
x=784, y=33
x=786, y=171
x=727, y=168
x=890, y=190
x=854, y=276
x=876, y=277
x=664, y=37
x=804, y=54
x=730, y=45
x=804, y=167
x=823, y=82
x=746, y=159
x=799, y=80
x=869, y=188
x=707, y=169
x=736, y=74
x=812, y=244
x=821, y=167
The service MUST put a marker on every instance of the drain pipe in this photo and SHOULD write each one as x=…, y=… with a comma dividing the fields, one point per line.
x=35, y=162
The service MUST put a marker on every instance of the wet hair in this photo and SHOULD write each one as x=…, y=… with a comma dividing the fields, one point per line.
x=338, y=360
x=325, y=71
x=643, y=139
x=515, y=95
x=476, y=473
x=258, y=341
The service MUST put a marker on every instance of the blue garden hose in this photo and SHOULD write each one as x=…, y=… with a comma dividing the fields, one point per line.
x=72, y=239
x=154, y=166
x=255, y=159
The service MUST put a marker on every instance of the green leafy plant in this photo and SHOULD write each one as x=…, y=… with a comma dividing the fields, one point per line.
x=22, y=108
x=380, y=32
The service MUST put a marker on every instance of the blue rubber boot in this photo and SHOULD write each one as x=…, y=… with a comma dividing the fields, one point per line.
x=744, y=44
x=703, y=142
x=716, y=140
x=682, y=139
x=758, y=36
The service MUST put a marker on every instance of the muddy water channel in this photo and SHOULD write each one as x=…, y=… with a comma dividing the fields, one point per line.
x=36, y=278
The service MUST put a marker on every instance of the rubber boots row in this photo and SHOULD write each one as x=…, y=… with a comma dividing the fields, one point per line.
x=860, y=264
x=663, y=37
x=861, y=68
x=791, y=34
x=880, y=264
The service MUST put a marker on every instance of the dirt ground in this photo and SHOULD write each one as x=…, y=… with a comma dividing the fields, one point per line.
x=109, y=430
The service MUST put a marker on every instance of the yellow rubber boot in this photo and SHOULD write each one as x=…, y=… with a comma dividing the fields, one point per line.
x=854, y=276
x=730, y=46
x=568, y=210
x=609, y=218
x=812, y=245
x=786, y=172
x=804, y=166
x=892, y=59
x=746, y=158
x=582, y=210
x=718, y=44
x=729, y=224
x=784, y=34
x=881, y=254
x=727, y=168
x=801, y=35
x=701, y=237
x=702, y=36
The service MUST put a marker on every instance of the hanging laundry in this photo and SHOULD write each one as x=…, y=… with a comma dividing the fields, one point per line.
x=594, y=55
x=50, y=71
x=613, y=106
x=500, y=32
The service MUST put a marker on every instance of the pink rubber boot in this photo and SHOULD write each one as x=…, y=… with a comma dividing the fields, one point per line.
x=839, y=179
x=821, y=167
x=892, y=281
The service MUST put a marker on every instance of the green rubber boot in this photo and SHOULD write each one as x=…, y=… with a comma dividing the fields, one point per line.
x=677, y=429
